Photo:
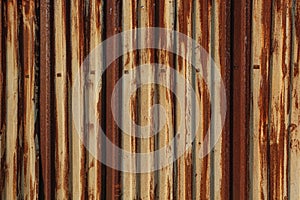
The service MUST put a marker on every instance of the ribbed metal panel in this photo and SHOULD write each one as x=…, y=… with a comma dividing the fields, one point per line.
x=255, y=44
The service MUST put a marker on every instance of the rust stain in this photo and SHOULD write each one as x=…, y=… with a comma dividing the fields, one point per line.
x=2, y=100
x=224, y=53
x=205, y=123
x=280, y=102
x=113, y=23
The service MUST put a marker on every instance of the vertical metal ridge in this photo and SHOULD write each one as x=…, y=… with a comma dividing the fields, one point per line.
x=261, y=40
x=202, y=36
x=221, y=55
x=30, y=174
x=78, y=149
x=60, y=102
x=146, y=95
x=294, y=144
x=279, y=98
x=212, y=54
x=130, y=61
x=240, y=101
x=2, y=100
x=184, y=26
x=12, y=100
x=164, y=16
x=96, y=175
x=46, y=134
x=113, y=26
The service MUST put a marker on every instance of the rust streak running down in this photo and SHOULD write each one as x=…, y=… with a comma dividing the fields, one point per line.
x=240, y=122
x=113, y=13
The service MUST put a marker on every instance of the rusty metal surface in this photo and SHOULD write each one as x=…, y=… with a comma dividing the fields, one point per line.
x=241, y=64
x=46, y=105
x=43, y=44
x=113, y=13
x=261, y=50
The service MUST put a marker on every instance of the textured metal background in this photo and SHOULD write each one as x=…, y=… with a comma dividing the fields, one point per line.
x=256, y=44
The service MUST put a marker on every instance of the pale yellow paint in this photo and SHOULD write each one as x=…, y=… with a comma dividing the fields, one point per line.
x=129, y=180
x=61, y=150
x=12, y=70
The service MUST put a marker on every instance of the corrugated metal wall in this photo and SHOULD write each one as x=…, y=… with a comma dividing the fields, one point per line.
x=255, y=43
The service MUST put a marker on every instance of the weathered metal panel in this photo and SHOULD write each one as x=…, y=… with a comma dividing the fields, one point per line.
x=43, y=45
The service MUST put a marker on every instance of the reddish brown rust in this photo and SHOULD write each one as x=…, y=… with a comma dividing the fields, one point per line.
x=147, y=185
x=204, y=41
x=113, y=26
x=165, y=18
x=241, y=97
x=46, y=131
x=225, y=63
x=262, y=16
x=279, y=101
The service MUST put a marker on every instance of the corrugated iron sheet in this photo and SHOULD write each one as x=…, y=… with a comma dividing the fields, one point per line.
x=43, y=45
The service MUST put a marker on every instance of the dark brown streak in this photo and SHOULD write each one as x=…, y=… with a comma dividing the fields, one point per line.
x=46, y=106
